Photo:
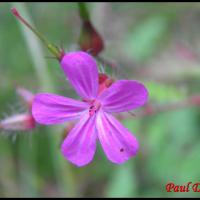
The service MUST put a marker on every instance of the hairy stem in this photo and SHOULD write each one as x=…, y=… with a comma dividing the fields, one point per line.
x=52, y=48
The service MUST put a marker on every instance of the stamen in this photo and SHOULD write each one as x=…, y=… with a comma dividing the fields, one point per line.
x=94, y=107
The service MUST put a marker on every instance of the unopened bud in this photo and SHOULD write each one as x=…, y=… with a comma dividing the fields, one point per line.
x=18, y=122
x=26, y=95
x=104, y=82
x=90, y=40
x=102, y=78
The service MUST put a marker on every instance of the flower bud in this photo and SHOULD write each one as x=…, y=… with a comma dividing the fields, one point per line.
x=26, y=95
x=102, y=78
x=104, y=82
x=18, y=122
x=89, y=39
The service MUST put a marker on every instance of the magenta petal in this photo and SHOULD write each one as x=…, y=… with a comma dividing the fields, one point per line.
x=80, y=145
x=118, y=143
x=53, y=109
x=124, y=95
x=81, y=70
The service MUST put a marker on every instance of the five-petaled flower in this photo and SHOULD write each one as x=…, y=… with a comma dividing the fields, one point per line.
x=93, y=111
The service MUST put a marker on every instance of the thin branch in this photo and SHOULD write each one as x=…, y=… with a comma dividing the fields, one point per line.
x=151, y=110
x=83, y=11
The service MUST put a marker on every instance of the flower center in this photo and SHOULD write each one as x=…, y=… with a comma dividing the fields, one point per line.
x=94, y=107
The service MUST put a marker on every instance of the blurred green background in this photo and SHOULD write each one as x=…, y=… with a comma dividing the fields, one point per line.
x=156, y=43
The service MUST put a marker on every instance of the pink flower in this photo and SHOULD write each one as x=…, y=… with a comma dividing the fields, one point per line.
x=94, y=112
